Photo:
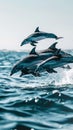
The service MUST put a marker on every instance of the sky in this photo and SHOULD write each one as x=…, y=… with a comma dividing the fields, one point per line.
x=19, y=18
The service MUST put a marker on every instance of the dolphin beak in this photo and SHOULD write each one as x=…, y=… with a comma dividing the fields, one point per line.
x=24, y=42
x=21, y=44
x=11, y=74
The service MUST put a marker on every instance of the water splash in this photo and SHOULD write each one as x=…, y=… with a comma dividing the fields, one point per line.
x=67, y=78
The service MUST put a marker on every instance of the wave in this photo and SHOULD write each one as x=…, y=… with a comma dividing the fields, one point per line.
x=34, y=103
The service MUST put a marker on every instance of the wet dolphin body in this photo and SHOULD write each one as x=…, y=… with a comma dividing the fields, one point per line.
x=38, y=35
x=28, y=64
x=31, y=69
x=54, y=62
x=29, y=61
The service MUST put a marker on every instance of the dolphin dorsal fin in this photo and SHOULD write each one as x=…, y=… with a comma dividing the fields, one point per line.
x=37, y=29
x=53, y=46
x=33, y=51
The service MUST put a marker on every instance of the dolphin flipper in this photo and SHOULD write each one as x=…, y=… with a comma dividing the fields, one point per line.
x=24, y=72
x=36, y=74
x=50, y=70
x=32, y=43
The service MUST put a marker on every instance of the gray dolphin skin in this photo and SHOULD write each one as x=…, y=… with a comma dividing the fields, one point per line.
x=29, y=61
x=55, y=61
x=29, y=64
x=38, y=35
x=46, y=60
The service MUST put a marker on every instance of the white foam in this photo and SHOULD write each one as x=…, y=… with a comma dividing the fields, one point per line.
x=67, y=78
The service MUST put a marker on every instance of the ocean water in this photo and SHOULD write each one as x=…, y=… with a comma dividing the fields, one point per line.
x=34, y=103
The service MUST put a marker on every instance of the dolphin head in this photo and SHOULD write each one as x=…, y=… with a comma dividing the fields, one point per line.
x=14, y=70
x=17, y=67
x=25, y=41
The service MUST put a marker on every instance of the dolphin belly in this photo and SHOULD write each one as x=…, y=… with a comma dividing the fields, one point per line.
x=39, y=38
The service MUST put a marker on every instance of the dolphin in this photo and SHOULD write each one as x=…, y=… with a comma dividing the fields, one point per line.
x=28, y=64
x=32, y=69
x=54, y=62
x=38, y=35
x=29, y=61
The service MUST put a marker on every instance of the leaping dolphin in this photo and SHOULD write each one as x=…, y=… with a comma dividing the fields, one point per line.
x=29, y=62
x=55, y=61
x=32, y=69
x=38, y=35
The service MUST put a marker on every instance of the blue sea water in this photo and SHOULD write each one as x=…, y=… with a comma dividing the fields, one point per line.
x=34, y=103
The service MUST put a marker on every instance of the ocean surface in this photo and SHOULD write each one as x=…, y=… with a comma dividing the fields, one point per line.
x=34, y=103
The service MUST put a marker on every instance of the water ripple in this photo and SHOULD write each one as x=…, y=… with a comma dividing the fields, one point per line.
x=32, y=103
